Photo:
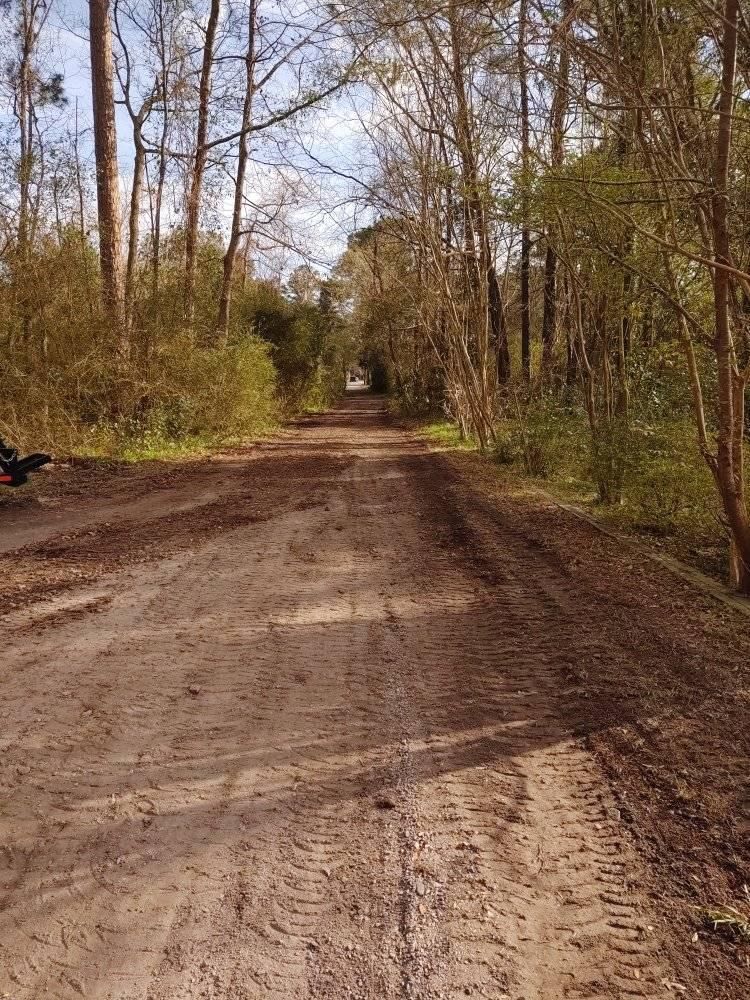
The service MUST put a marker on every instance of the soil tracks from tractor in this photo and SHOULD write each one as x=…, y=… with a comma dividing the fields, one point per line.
x=318, y=735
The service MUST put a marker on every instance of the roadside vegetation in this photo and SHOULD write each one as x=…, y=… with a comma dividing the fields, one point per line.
x=561, y=266
x=171, y=394
x=158, y=320
x=668, y=498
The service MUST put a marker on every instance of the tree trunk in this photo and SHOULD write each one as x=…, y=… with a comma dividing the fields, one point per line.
x=25, y=115
x=107, y=175
x=525, y=234
x=222, y=323
x=162, y=92
x=481, y=267
x=199, y=162
x=498, y=325
x=134, y=224
x=729, y=459
x=79, y=179
x=156, y=235
x=557, y=155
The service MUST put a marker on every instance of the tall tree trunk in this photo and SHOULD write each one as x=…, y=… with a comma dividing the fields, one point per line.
x=134, y=224
x=480, y=263
x=199, y=162
x=107, y=177
x=549, y=316
x=162, y=93
x=731, y=387
x=79, y=179
x=25, y=115
x=156, y=234
x=137, y=121
x=557, y=155
x=525, y=234
x=498, y=325
x=222, y=323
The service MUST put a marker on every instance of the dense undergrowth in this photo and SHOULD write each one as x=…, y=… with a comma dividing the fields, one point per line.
x=668, y=495
x=71, y=388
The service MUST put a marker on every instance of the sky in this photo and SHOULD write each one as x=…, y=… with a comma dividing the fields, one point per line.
x=331, y=208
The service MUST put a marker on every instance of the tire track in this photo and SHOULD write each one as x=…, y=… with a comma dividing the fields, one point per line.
x=324, y=755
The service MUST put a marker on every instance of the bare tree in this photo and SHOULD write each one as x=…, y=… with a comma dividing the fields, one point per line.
x=557, y=155
x=200, y=158
x=729, y=467
x=523, y=83
x=138, y=111
x=30, y=91
x=222, y=323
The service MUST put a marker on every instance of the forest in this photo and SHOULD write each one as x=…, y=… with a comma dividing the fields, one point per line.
x=547, y=207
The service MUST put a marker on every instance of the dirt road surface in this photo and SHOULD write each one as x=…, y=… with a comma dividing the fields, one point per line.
x=317, y=720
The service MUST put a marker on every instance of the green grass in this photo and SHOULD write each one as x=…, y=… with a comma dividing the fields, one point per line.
x=163, y=450
x=447, y=435
x=106, y=444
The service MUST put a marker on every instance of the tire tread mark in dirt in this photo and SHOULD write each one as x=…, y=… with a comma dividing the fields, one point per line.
x=321, y=756
x=568, y=811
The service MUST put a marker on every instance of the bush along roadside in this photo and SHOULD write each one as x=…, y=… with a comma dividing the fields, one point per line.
x=665, y=495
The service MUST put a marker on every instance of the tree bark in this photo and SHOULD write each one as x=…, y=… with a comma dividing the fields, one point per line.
x=27, y=37
x=199, y=162
x=134, y=224
x=729, y=459
x=222, y=323
x=481, y=266
x=557, y=155
x=525, y=234
x=107, y=175
x=161, y=93
x=25, y=121
x=79, y=179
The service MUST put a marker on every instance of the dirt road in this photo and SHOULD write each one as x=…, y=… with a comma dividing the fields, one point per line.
x=322, y=731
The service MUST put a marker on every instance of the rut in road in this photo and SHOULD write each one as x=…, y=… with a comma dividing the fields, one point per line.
x=323, y=756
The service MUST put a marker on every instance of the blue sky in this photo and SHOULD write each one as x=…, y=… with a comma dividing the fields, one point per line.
x=334, y=137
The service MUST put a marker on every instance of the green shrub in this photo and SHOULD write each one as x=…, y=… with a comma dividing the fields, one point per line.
x=610, y=459
x=185, y=395
x=198, y=396
x=507, y=449
x=669, y=488
x=545, y=439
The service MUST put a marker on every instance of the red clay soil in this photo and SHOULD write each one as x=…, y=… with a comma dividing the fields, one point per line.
x=340, y=718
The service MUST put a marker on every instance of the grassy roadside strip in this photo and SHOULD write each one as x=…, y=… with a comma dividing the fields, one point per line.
x=465, y=457
x=95, y=465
